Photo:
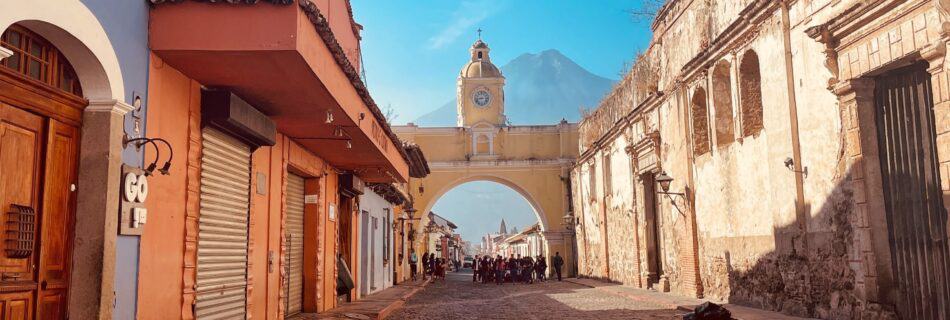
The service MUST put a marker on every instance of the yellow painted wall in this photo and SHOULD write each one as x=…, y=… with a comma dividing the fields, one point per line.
x=529, y=159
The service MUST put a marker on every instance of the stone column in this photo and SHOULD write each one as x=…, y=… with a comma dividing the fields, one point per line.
x=97, y=210
x=869, y=256
x=936, y=56
x=635, y=182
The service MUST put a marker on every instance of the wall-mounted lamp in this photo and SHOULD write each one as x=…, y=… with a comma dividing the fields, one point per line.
x=790, y=164
x=349, y=145
x=664, y=181
x=568, y=220
x=139, y=142
x=329, y=117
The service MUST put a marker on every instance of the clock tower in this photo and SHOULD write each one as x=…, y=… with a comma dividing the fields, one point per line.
x=481, y=90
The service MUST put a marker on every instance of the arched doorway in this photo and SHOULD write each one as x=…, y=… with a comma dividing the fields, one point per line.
x=65, y=81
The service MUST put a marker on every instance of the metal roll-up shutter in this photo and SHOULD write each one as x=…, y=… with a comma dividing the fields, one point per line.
x=294, y=236
x=222, y=227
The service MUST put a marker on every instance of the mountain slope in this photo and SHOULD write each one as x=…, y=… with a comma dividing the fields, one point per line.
x=540, y=88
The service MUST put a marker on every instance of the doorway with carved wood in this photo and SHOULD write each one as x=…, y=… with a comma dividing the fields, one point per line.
x=40, y=112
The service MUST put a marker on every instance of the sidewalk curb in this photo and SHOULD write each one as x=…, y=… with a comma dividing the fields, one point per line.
x=385, y=312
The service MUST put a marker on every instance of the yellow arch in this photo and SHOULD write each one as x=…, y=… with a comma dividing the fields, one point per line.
x=538, y=211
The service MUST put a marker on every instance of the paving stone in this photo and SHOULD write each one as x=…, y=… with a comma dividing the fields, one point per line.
x=458, y=298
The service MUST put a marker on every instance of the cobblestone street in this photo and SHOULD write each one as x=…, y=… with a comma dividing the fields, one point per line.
x=458, y=298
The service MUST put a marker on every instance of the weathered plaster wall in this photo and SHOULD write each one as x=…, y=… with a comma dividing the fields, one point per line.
x=749, y=245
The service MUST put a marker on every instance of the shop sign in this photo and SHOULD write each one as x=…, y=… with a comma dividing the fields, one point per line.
x=133, y=214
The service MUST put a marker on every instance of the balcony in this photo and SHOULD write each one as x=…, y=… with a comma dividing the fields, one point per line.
x=285, y=60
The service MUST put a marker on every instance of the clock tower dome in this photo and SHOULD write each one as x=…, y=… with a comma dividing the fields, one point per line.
x=481, y=90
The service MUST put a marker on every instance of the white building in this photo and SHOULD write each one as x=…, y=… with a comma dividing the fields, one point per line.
x=528, y=242
x=375, y=234
x=439, y=230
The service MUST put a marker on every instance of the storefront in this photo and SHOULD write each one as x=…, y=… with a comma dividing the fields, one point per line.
x=257, y=217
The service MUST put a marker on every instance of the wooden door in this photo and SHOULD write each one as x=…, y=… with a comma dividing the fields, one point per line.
x=916, y=216
x=21, y=147
x=38, y=158
x=57, y=219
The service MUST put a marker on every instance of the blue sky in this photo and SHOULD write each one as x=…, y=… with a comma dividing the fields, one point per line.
x=413, y=50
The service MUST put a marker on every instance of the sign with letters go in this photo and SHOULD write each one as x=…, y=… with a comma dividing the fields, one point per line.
x=133, y=215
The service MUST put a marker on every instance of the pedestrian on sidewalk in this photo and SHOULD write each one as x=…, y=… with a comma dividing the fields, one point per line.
x=425, y=265
x=527, y=265
x=514, y=268
x=433, y=263
x=542, y=267
x=558, y=263
x=413, y=260
x=440, y=268
x=475, y=269
x=500, y=270
x=488, y=269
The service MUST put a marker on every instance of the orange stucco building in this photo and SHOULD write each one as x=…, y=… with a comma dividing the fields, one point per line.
x=274, y=87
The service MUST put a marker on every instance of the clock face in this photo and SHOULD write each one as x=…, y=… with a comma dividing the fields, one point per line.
x=481, y=98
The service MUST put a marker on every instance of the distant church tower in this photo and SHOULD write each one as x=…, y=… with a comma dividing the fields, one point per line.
x=481, y=93
x=503, y=228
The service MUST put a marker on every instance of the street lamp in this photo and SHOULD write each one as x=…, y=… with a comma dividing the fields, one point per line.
x=664, y=181
x=568, y=220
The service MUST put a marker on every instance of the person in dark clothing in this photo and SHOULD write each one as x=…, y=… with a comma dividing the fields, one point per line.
x=527, y=265
x=499, y=270
x=514, y=267
x=475, y=269
x=558, y=263
x=425, y=265
x=542, y=267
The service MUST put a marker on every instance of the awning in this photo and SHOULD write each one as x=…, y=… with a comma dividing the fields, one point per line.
x=285, y=61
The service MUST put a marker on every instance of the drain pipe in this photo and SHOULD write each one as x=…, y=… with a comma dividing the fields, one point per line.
x=800, y=214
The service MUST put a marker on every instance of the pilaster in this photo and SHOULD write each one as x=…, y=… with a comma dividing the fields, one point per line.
x=92, y=284
x=870, y=254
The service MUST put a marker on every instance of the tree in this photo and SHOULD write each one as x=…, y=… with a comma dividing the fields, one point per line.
x=647, y=10
x=389, y=113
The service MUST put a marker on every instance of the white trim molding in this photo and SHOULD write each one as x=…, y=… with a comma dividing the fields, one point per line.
x=114, y=106
x=5, y=53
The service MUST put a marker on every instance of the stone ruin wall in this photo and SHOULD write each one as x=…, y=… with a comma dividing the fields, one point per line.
x=819, y=282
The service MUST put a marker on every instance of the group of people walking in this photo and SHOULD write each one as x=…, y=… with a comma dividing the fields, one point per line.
x=513, y=269
x=431, y=266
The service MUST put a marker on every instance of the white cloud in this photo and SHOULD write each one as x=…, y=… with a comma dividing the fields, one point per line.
x=466, y=16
